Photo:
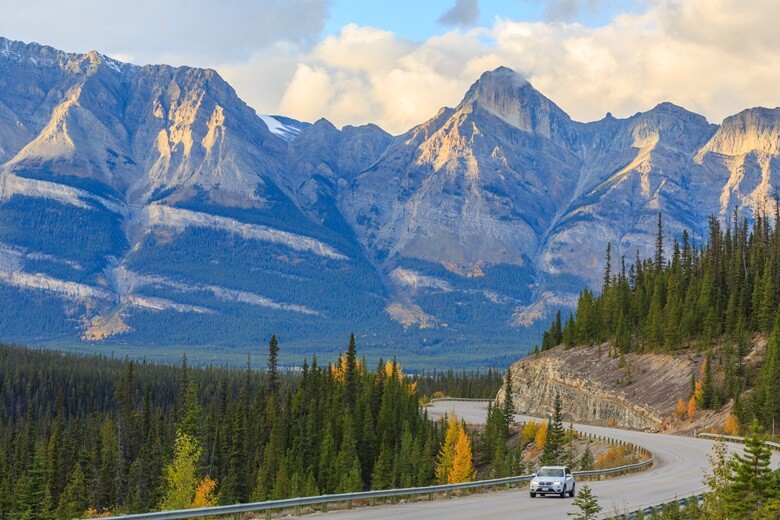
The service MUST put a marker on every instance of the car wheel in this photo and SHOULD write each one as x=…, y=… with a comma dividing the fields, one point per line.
x=563, y=492
x=571, y=493
x=533, y=495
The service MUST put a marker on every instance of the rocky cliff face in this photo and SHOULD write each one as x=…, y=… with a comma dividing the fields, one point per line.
x=638, y=391
x=462, y=231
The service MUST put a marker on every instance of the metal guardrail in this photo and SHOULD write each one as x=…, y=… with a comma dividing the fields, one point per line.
x=682, y=502
x=297, y=503
x=466, y=399
x=734, y=438
x=651, y=510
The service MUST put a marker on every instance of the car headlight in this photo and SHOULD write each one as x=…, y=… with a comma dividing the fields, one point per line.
x=557, y=483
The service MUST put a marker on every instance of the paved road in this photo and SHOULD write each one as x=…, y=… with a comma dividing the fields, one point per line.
x=677, y=473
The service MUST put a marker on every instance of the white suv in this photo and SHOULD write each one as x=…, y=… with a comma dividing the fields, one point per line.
x=553, y=480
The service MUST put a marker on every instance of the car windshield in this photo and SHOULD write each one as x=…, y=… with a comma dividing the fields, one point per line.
x=550, y=472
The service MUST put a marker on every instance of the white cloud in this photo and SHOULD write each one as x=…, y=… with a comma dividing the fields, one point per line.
x=194, y=32
x=715, y=57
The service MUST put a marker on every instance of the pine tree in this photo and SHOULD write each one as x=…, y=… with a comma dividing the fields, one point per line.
x=751, y=483
x=587, y=461
x=109, y=463
x=190, y=421
x=508, y=409
x=273, y=369
x=347, y=462
x=34, y=502
x=659, y=246
x=708, y=398
x=350, y=373
x=73, y=500
x=588, y=504
x=553, y=443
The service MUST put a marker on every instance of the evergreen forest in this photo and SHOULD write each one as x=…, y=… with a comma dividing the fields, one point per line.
x=91, y=436
x=717, y=298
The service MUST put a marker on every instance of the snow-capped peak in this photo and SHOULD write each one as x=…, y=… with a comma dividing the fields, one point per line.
x=285, y=127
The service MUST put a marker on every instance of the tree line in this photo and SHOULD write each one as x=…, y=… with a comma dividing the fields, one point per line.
x=85, y=436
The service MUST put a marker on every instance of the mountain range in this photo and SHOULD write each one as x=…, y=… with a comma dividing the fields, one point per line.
x=149, y=207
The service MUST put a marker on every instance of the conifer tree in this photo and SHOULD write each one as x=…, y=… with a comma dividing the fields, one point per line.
x=508, y=409
x=447, y=450
x=382, y=478
x=347, y=460
x=553, y=443
x=751, y=483
x=588, y=504
x=659, y=245
x=34, y=501
x=73, y=500
x=190, y=421
x=462, y=469
x=273, y=368
x=350, y=373
x=109, y=463
x=587, y=460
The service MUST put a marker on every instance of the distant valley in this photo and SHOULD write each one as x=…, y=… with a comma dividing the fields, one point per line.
x=149, y=208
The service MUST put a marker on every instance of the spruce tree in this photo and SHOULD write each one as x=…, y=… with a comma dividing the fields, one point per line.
x=73, y=500
x=751, y=482
x=273, y=369
x=553, y=444
x=588, y=504
x=350, y=373
x=34, y=501
x=508, y=408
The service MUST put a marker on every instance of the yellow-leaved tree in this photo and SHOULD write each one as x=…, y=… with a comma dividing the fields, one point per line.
x=541, y=435
x=204, y=494
x=691, y=407
x=447, y=450
x=462, y=463
x=681, y=409
x=183, y=490
x=529, y=431
x=732, y=426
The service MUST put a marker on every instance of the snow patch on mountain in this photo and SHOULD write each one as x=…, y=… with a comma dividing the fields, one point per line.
x=178, y=220
x=126, y=282
x=72, y=290
x=414, y=280
x=286, y=128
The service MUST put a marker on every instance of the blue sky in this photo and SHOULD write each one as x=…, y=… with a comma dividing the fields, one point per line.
x=418, y=19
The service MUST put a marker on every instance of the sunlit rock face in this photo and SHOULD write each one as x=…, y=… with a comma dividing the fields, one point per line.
x=150, y=205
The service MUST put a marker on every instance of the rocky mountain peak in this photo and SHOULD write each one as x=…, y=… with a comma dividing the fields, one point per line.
x=509, y=96
x=754, y=129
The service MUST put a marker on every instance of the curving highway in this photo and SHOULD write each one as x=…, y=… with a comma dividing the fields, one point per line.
x=680, y=464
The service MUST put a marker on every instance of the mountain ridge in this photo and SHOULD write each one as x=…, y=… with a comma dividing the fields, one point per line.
x=479, y=221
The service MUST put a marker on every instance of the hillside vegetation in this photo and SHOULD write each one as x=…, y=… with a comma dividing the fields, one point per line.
x=715, y=299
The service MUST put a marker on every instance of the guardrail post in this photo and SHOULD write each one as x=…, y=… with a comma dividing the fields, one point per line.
x=297, y=511
x=430, y=496
x=324, y=507
x=267, y=514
